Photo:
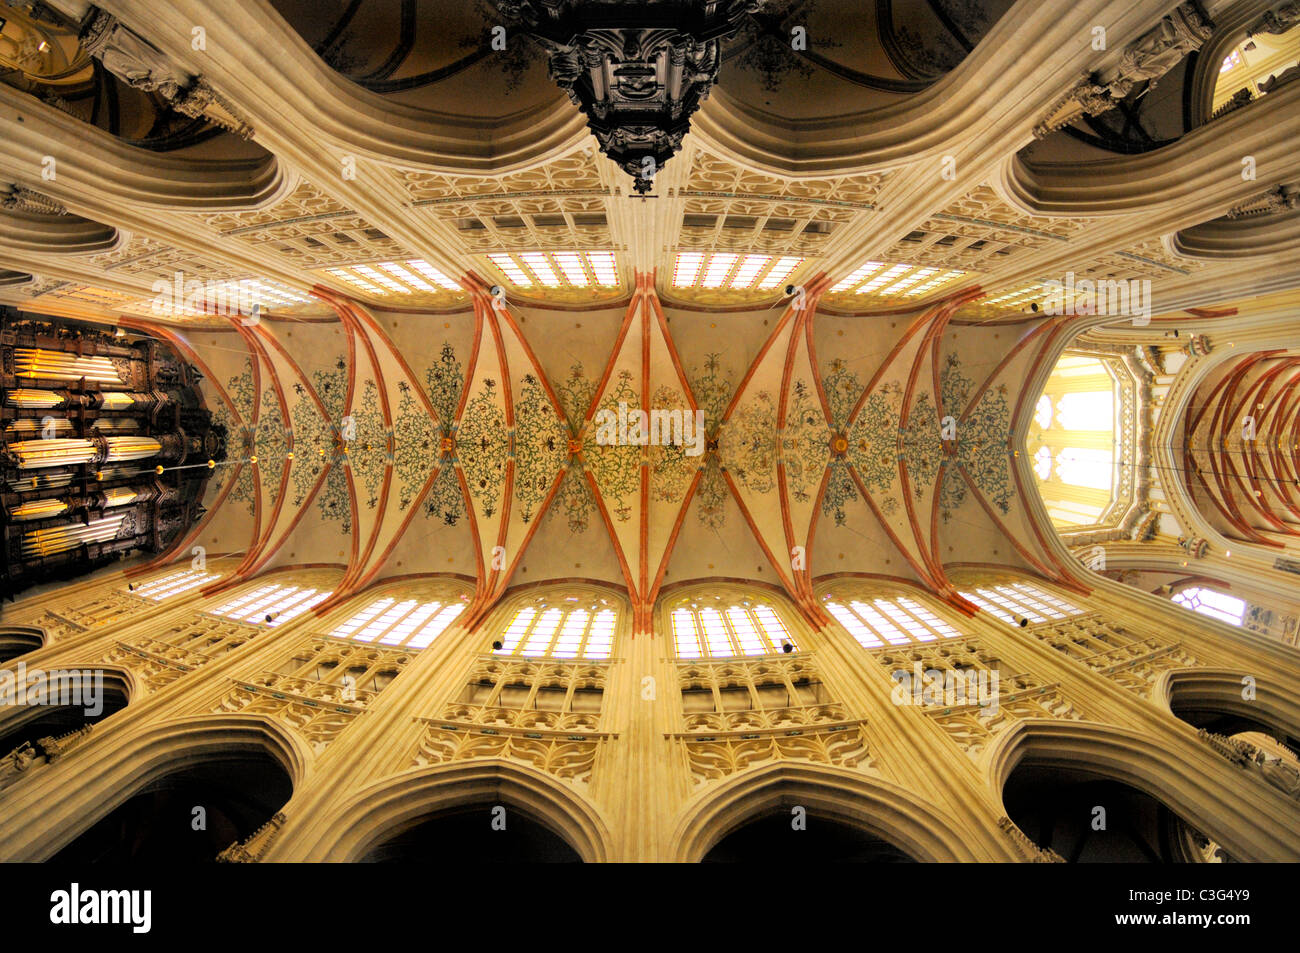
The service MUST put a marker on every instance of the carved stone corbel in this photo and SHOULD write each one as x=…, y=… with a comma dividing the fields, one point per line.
x=56, y=748
x=1277, y=772
x=22, y=199
x=1278, y=200
x=252, y=849
x=1240, y=98
x=1027, y=848
x=1238, y=752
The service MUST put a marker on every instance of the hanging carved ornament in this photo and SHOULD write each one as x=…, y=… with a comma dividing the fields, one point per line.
x=637, y=70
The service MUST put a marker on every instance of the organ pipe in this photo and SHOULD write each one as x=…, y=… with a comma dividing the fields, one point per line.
x=99, y=434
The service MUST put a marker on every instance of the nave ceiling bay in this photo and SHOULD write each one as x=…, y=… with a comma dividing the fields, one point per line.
x=475, y=443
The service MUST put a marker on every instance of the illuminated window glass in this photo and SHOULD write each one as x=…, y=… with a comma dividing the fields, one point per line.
x=857, y=277
x=779, y=272
x=1043, y=462
x=687, y=269
x=408, y=624
x=173, y=584
x=572, y=629
x=1094, y=410
x=604, y=266
x=271, y=605
x=892, y=621
x=718, y=269
x=1043, y=412
x=1006, y=602
x=935, y=624
x=730, y=271
x=540, y=266
x=1216, y=605
x=894, y=280
x=384, y=278
x=1086, y=467
x=729, y=631
x=561, y=269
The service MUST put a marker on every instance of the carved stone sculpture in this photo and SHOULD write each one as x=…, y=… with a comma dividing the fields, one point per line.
x=1276, y=21
x=141, y=65
x=1145, y=59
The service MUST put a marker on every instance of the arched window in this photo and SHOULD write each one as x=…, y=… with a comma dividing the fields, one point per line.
x=722, y=628
x=402, y=623
x=172, y=584
x=1216, y=605
x=567, y=626
x=271, y=605
x=1009, y=600
x=896, y=620
x=1080, y=442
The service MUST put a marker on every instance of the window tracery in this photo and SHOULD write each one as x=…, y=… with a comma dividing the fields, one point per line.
x=320, y=688
x=1215, y=604
x=727, y=626
x=1084, y=442
x=578, y=625
x=1114, y=650
x=172, y=584
x=1016, y=600
x=404, y=623
x=743, y=711
x=271, y=605
x=545, y=712
x=876, y=621
x=968, y=691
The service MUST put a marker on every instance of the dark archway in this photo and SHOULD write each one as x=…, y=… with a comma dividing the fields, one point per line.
x=473, y=833
x=157, y=825
x=773, y=838
x=27, y=725
x=16, y=642
x=1062, y=809
x=1228, y=723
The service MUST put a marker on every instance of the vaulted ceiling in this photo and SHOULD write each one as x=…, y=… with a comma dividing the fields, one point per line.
x=919, y=171
x=1240, y=433
x=470, y=443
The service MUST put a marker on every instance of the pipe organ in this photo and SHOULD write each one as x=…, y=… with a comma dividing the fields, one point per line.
x=105, y=447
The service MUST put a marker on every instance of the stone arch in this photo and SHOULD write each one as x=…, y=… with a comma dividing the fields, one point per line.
x=118, y=688
x=399, y=802
x=17, y=640
x=97, y=778
x=1192, y=691
x=876, y=806
x=1198, y=786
